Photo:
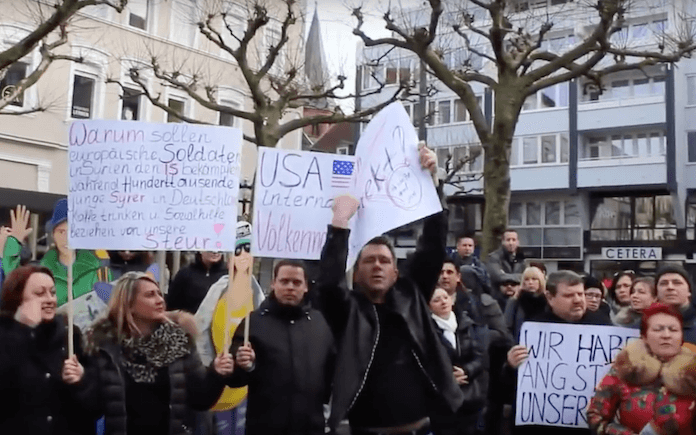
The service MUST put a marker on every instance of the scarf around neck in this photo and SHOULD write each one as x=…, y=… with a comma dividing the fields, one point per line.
x=144, y=356
x=448, y=326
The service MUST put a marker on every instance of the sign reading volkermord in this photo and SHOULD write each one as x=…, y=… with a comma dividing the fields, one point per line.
x=146, y=186
x=632, y=253
x=565, y=364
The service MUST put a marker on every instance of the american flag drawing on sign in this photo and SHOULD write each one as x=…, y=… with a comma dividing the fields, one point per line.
x=342, y=173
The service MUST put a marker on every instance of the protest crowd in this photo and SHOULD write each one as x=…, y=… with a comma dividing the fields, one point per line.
x=434, y=344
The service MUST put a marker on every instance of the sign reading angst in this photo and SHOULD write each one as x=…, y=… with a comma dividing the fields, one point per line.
x=565, y=364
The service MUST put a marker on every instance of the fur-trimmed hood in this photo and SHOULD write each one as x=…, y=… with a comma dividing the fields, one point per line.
x=636, y=365
x=103, y=331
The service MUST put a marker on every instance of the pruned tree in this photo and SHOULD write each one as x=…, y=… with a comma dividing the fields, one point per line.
x=513, y=42
x=272, y=73
x=53, y=21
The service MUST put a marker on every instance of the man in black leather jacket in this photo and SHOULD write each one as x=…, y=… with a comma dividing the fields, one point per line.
x=391, y=366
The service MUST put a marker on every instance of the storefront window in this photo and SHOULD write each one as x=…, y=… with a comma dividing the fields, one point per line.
x=633, y=218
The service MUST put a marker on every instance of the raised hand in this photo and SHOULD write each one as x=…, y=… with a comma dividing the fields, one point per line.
x=344, y=208
x=246, y=357
x=224, y=364
x=516, y=355
x=428, y=159
x=29, y=312
x=72, y=370
x=19, y=223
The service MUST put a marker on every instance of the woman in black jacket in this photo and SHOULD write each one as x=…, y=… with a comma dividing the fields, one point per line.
x=149, y=370
x=466, y=350
x=44, y=391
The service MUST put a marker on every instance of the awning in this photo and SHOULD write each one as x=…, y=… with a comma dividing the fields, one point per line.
x=36, y=202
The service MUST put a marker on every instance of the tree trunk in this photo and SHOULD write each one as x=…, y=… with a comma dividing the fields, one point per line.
x=496, y=169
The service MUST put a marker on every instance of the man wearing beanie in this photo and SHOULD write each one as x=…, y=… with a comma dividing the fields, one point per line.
x=674, y=288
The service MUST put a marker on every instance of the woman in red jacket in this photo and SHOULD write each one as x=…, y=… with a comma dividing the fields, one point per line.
x=651, y=386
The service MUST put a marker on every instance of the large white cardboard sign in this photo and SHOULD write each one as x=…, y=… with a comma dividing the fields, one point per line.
x=293, y=201
x=566, y=362
x=145, y=186
x=390, y=183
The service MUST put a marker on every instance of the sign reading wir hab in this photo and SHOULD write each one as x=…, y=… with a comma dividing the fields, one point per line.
x=632, y=253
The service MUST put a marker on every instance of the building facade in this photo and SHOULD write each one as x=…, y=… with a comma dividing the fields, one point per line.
x=601, y=181
x=34, y=147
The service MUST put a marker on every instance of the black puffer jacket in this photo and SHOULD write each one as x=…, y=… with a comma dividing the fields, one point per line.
x=191, y=284
x=470, y=356
x=291, y=379
x=192, y=385
x=353, y=318
x=35, y=399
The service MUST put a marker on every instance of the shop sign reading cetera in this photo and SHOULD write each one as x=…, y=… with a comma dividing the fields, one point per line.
x=632, y=253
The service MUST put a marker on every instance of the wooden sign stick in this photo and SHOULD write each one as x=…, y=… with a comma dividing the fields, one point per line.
x=71, y=309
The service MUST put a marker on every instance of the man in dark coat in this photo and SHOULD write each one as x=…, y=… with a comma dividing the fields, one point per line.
x=191, y=284
x=565, y=295
x=288, y=362
x=508, y=259
x=673, y=286
x=466, y=256
x=391, y=366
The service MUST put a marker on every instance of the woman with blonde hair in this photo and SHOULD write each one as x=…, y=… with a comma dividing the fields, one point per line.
x=528, y=302
x=151, y=374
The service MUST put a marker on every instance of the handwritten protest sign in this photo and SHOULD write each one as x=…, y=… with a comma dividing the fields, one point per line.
x=146, y=186
x=565, y=364
x=392, y=187
x=293, y=200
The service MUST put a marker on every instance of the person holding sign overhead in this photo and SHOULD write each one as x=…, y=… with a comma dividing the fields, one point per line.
x=45, y=390
x=150, y=373
x=391, y=366
x=87, y=268
x=651, y=386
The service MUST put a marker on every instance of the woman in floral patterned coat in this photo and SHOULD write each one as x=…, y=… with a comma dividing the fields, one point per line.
x=651, y=387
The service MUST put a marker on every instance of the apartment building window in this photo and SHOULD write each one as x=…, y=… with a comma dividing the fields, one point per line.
x=451, y=157
x=442, y=112
x=547, y=148
x=626, y=145
x=691, y=145
x=178, y=106
x=83, y=97
x=550, y=228
x=629, y=87
x=130, y=105
x=691, y=219
x=138, y=13
x=388, y=72
x=691, y=90
x=15, y=73
x=645, y=217
x=553, y=96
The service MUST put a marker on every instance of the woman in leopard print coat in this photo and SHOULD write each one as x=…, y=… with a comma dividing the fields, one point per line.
x=150, y=374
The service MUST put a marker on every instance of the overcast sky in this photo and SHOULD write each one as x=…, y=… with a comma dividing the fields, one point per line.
x=337, y=25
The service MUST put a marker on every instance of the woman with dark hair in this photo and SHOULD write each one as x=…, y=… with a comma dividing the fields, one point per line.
x=470, y=366
x=650, y=387
x=594, y=297
x=643, y=294
x=151, y=375
x=44, y=390
x=619, y=294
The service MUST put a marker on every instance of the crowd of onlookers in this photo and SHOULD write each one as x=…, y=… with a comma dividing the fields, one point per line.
x=428, y=345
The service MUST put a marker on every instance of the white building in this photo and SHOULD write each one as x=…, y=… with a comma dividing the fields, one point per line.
x=593, y=175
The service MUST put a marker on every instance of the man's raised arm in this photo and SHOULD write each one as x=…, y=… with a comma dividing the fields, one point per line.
x=332, y=290
x=425, y=264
